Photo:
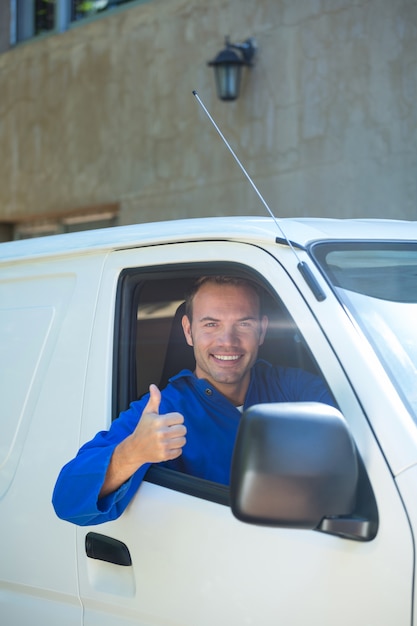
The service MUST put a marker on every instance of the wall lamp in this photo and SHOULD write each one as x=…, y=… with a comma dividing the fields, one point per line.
x=228, y=67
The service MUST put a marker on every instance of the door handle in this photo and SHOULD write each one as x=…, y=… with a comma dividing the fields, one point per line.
x=106, y=548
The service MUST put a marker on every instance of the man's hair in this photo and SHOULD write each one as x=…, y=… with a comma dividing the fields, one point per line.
x=234, y=281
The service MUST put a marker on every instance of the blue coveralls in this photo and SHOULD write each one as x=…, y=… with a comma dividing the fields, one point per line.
x=211, y=422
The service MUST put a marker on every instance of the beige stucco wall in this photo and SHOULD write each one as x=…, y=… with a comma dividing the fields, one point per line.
x=104, y=113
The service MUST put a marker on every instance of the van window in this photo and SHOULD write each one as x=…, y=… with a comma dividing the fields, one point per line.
x=377, y=284
x=150, y=346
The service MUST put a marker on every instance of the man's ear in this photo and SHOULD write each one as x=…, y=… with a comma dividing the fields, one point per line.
x=186, y=326
x=264, y=327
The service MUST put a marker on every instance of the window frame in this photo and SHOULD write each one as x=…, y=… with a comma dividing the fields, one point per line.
x=130, y=283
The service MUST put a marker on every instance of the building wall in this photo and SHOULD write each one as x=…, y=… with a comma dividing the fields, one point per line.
x=103, y=115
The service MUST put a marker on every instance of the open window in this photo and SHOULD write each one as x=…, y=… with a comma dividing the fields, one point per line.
x=150, y=346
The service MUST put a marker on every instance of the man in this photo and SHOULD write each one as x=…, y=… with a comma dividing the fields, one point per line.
x=191, y=426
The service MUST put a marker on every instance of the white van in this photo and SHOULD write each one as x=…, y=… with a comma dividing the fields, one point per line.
x=319, y=524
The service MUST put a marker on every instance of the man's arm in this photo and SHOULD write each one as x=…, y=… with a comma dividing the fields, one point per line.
x=98, y=484
x=156, y=438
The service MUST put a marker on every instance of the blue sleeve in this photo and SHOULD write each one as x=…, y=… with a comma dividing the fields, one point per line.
x=75, y=497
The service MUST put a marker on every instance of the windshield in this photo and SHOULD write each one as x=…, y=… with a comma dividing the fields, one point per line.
x=377, y=282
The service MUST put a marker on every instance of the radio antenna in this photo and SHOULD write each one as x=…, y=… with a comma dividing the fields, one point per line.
x=302, y=266
x=254, y=187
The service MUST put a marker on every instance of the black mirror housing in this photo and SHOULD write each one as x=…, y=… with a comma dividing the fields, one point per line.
x=294, y=464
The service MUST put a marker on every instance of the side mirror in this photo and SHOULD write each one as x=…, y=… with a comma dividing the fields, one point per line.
x=295, y=465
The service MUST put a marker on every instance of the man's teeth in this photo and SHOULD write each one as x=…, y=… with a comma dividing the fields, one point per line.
x=225, y=357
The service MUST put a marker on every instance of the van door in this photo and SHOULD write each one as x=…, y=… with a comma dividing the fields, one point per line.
x=192, y=562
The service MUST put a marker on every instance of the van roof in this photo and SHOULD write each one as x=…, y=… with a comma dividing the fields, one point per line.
x=300, y=231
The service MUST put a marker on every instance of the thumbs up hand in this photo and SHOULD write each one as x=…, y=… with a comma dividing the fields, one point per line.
x=156, y=438
x=159, y=437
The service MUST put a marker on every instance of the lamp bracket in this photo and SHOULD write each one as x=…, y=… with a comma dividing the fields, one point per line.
x=247, y=48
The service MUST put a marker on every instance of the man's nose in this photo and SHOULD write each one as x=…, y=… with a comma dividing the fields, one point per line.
x=228, y=335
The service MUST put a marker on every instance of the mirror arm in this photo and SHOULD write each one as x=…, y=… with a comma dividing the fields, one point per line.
x=354, y=527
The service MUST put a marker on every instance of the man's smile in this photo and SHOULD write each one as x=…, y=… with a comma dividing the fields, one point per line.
x=226, y=357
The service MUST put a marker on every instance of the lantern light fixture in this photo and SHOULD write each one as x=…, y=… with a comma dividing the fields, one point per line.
x=228, y=65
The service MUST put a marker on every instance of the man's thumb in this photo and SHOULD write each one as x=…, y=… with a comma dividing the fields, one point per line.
x=154, y=400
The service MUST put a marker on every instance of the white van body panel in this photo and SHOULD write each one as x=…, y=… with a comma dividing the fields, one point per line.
x=56, y=303
x=193, y=563
x=255, y=230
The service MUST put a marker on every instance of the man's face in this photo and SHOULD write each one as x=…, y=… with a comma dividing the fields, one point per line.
x=226, y=332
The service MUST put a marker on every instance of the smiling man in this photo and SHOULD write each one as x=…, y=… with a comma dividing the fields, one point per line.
x=192, y=424
x=224, y=325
